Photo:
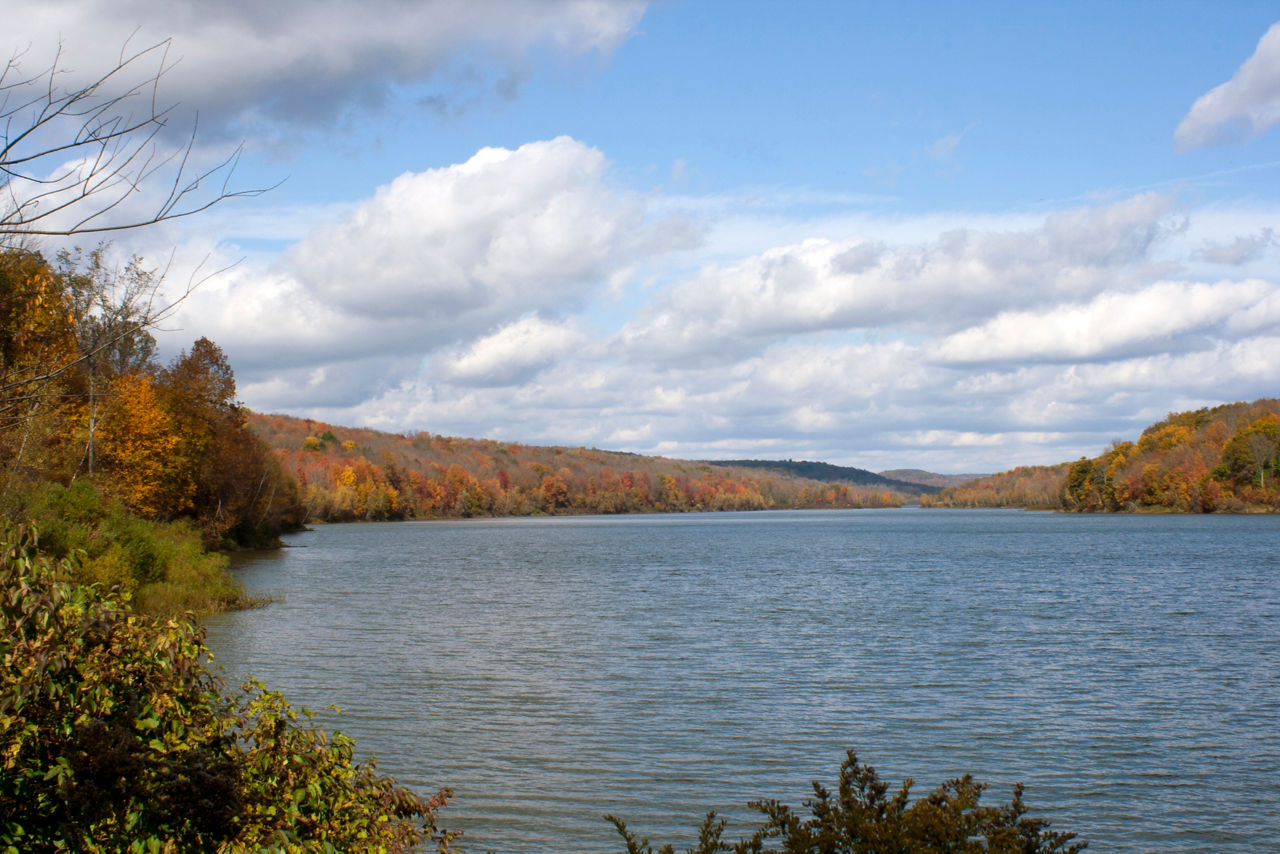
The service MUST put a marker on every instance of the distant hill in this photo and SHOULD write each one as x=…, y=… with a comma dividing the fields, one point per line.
x=928, y=478
x=828, y=473
x=1217, y=459
x=356, y=473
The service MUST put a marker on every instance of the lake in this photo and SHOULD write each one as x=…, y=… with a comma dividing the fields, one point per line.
x=1125, y=668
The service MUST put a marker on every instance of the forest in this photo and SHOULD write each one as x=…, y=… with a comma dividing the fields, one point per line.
x=1221, y=459
x=345, y=474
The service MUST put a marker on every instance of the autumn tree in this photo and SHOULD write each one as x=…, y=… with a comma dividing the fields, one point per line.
x=37, y=348
x=1253, y=450
x=138, y=444
x=225, y=477
x=111, y=309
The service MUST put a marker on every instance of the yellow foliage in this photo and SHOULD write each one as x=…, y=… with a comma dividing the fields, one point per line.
x=136, y=443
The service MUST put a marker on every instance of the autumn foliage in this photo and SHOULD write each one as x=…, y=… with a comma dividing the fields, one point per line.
x=1032, y=487
x=82, y=399
x=355, y=473
x=1220, y=459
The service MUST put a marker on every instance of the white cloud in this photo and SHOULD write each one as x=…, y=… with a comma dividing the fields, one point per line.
x=1241, y=109
x=437, y=258
x=512, y=354
x=464, y=247
x=861, y=283
x=1113, y=324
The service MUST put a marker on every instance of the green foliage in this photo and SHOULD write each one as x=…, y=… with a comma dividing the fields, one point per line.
x=161, y=566
x=114, y=736
x=860, y=817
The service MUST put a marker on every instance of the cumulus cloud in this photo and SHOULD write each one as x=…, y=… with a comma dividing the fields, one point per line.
x=514, y=353
x=440, y=257
x=823, y=284
x=1241, y=109
x=247, y=65
x=465, y=246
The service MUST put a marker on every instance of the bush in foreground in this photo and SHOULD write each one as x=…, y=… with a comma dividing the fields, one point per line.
x=114, y=736
x=860, y=818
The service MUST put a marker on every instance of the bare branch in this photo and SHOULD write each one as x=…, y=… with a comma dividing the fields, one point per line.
x=71, y=156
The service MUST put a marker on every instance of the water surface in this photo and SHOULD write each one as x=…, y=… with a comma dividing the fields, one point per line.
x=1126, y=668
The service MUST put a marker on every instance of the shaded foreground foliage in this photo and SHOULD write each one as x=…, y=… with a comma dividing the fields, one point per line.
x=861, y=818
x=115, y=736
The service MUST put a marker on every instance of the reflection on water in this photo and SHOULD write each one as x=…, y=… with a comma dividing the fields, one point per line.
x=1126, y=668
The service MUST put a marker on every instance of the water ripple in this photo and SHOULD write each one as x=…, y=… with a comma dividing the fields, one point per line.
x=1127, y=669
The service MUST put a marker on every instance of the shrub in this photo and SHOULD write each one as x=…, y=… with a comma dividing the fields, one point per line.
x=161, y=566
x=860, y=818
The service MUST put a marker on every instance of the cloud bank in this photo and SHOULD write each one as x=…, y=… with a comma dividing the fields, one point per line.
x=527, y=294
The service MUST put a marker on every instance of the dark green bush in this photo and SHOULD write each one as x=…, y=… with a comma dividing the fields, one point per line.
x=861, y=818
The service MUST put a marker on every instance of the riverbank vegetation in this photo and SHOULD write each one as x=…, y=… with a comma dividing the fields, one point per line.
x=141, y=466
x=1212, y=460
x=347, y=474
x=115, y=736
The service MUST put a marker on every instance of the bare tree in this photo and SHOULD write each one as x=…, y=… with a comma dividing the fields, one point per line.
x=72, y=155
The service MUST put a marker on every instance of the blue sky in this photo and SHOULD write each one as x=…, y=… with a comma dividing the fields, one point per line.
x=957, y=237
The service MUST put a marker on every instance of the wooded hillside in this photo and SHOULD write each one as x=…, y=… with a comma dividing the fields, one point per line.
x=1219, y=459
x=356, y=473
